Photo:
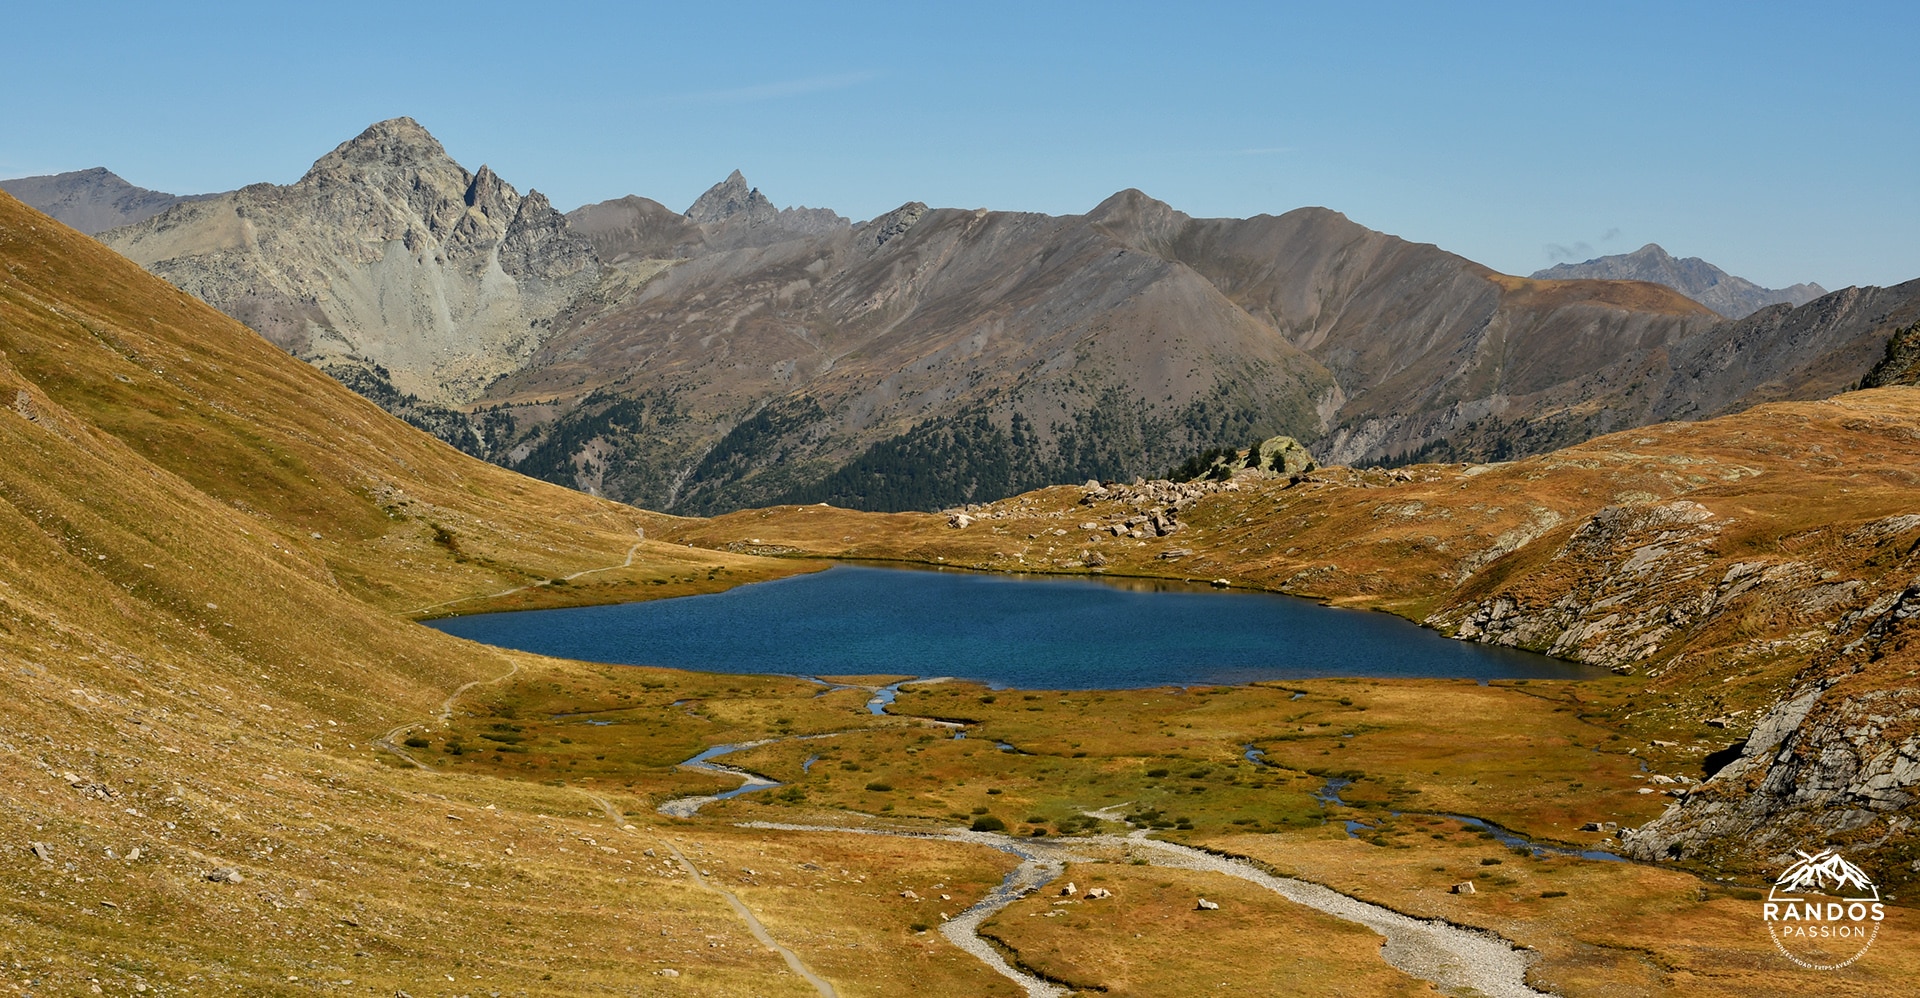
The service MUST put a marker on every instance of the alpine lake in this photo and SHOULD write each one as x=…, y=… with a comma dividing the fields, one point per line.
x=1024, y=632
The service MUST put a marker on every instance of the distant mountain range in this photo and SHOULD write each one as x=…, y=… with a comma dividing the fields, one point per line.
x=738, y=354
x=93, y=200
x=1733, y=297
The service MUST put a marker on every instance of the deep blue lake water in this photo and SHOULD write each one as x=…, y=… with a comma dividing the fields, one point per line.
x=1025, y=632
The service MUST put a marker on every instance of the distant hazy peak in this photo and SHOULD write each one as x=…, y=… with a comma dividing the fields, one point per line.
x=731, y=198
x=92, y=200
x=1731, y=296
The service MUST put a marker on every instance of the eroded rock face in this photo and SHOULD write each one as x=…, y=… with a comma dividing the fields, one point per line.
x=1635, y=577
x=386, y=254
x=1836, y=761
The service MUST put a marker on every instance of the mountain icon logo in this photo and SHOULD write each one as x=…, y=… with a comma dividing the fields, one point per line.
x=1823, y=912
x=1816, y=873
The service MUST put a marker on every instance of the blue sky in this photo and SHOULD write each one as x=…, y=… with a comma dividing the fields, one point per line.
x=1780, y=142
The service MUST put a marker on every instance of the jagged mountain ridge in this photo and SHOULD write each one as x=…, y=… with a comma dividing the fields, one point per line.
x=736, y=353
x=93, y=200
x=1733, y=297
x=816, y=350
x=386, y=253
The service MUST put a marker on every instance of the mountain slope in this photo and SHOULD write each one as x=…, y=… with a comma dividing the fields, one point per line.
x=206, y=548
x=935, y=356
x=1733, y=297
x=93, y=200
x=386, y=255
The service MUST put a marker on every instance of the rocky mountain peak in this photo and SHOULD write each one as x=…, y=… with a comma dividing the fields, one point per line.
x=538, y=242
x=93, y=200
x=894, y=223
x=1733, y=297
x=732, y=198
x=394, y=144
x=1138, y=219
x=491, y=196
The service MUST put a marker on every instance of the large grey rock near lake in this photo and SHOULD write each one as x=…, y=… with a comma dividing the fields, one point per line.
x=1733, y=297
x=93, y=200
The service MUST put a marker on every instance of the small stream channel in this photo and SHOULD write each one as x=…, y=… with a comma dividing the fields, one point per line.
x=1329, y=797
x=1457, y=959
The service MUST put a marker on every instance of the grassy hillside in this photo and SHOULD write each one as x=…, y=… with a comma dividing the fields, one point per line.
x=203, y=546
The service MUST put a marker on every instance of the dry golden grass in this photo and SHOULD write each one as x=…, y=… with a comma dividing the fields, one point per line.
x=1143, y=940
x=1618, y=930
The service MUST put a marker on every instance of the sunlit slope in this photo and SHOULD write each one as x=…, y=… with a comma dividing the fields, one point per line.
x=202, y=543
x=396, y=517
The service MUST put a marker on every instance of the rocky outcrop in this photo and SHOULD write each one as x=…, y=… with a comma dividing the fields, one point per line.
x=1900, y=365
x=93, y=200
x=1836, y=761
x=1628, y=577
x=387, y=254
x=1733, y=297
x=892, y=224
x=1282, y=456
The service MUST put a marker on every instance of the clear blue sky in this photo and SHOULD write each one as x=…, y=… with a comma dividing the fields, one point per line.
x=1780, y=142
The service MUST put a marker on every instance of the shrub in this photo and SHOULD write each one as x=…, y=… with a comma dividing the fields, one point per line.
x=1490, y=861
x=988, y=823
x=1553, y=894
x=415, y=741
x=1154, y=774
x=880, y=786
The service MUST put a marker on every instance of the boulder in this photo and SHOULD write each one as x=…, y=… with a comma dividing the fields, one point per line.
x=1069, y=890
x=1206, y=905
x=1285, y=456
x=1464, y=887
x=1098, y=893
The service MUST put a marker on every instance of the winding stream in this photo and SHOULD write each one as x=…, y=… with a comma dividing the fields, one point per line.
x=1455, y=958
